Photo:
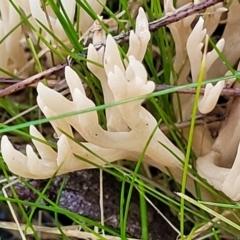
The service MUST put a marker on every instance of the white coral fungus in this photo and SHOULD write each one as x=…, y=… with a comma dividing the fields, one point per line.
x=129, y=125
x=122, y=83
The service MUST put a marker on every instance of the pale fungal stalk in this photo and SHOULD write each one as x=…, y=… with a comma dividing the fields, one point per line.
x=49, y=20
x=220, y=167
x=232, y=43
x=52, y=23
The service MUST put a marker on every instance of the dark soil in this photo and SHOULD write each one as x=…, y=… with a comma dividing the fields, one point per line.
x=81, y=193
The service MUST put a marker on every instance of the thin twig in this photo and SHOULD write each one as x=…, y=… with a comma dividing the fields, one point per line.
x=33, y=79
x=227, y=92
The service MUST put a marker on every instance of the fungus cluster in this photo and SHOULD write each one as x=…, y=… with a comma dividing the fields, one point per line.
x=129, y=125
x=218, y=158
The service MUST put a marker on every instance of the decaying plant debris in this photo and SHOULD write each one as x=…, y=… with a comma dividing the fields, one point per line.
x=130, y=127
